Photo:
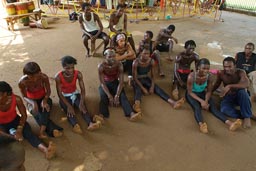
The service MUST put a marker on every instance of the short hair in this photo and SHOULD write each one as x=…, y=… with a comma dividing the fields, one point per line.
x=108, y=48
x=120, y=6
x=189, y=42
x=5, y=87
x=203, y=61
x=171, y=27
x=86, y=4
x=68, y=60
x=250, y=44
x=31, y=68
x=150, y=33
x=229, y=59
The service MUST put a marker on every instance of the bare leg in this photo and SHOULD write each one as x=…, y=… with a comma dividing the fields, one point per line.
x=135, y=116
x=170, y=49
x=175, y=91
x=42, y=133
x=131, y=41
x=247, y=123
x=157, y=55
x=86, y=47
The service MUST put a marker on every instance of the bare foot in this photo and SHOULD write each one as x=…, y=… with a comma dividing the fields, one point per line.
x=98, y=118
x=235, y=125
x=51, y=150
x=43, y=135
x=175, y=94
x=203, y=128
x=136, y=106
x=247, y=123
x=135, y=117
x=253, y=117
x=94, y=126
x=179, y=103
x=77, y=129
x=57, y=133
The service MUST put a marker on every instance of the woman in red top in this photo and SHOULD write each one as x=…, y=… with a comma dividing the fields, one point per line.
x=9, y=120
x=35, y=89
x=70, y=97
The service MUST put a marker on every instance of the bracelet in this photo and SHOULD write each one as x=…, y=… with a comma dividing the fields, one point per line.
x=19, y=127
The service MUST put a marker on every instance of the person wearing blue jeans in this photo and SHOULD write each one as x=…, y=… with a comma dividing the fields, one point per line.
x=9, y=120
x=198, y=95
x=239, y=98
x=143, y=83
x=234, y=93
x=111, y=86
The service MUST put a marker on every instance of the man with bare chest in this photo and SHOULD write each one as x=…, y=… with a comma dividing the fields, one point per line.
x=234, y=92
x=182, y=68
x=118, y=24
x=111, y=86
x=92, y=28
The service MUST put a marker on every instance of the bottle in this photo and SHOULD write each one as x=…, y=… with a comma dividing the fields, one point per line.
x=12, y=131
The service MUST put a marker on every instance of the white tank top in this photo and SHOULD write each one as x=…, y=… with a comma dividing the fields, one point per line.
x=91, y=25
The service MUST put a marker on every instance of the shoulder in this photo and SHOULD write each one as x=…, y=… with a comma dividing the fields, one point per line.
x=44, y=76
x=79, y=74
x=23, y=79
x=57, y=75
x=18, y=98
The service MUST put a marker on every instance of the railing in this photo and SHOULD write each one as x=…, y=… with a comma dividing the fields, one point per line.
x=244, y=5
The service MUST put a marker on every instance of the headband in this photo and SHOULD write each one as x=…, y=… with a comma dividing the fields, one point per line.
x=120, y=36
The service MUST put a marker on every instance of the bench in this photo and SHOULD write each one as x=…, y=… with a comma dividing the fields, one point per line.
x=12, y=19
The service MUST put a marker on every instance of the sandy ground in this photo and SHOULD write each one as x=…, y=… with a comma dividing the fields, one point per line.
x=165, y=139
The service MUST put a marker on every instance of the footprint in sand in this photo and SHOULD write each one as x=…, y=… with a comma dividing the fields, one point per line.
x=135, y=154
x=91, y=163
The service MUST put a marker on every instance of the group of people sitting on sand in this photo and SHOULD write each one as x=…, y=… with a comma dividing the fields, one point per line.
x=139, y=64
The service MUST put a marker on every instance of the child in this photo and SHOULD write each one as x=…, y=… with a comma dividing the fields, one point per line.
x=69, y=95
x=35, y=89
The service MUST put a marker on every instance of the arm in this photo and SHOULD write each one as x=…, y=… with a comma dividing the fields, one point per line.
x=135, y=74
x=243, y=82
x=103, y=84
x=47, y=87
x=82, y=89
x=23, y=118
x=217, y=82
x=125, y=23
x=111, y=23
x=120, y=85
x=23, y=90
x=176, y=73
x=190, y=81
x=140, y=48
x=97, y=19
x=129, y=54
x=70, y=109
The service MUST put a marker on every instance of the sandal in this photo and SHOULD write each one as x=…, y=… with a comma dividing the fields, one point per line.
x=203, y=128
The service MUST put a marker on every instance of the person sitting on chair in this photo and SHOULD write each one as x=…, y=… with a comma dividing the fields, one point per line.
x=92, y=28
x=118, y=24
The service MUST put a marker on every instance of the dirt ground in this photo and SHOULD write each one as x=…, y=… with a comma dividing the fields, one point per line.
x=166, y=139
